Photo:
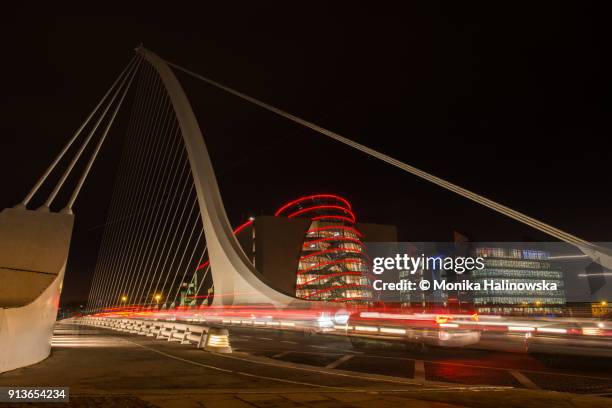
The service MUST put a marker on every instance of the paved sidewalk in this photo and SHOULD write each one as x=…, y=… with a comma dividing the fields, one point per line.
x=232, y=399
x=304, y=398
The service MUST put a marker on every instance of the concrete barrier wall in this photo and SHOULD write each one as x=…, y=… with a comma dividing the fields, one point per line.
x=215, y=339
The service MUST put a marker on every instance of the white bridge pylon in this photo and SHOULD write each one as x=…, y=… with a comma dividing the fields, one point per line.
x=235, y=279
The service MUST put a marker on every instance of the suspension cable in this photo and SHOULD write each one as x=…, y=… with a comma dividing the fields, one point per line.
x=124, y=163
x=133, y=195
x=78, y=154
x=94, y=155
x=76, y=134
x=525, y=219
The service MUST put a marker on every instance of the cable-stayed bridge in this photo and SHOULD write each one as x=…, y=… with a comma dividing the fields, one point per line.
x=167, y=227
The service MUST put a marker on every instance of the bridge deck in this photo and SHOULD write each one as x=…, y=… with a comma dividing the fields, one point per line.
x=106, y=368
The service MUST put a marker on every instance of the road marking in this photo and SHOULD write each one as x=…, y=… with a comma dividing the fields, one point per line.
x=283, y=354
x=525, y=382
x=419, y=370
x=289, y=342
x=362, y=376
x=321, y=347
x=225, y=370
x=339, y=361
x=439, y=362
x=282, y=364
x=266, y=338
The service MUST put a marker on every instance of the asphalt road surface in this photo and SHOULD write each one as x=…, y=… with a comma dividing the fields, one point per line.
x=105, y=368
x=512, y=367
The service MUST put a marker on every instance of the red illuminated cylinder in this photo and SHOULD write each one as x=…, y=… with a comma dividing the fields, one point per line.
x=333, y=264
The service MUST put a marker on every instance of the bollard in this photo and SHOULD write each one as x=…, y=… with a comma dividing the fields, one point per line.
x=217, y=340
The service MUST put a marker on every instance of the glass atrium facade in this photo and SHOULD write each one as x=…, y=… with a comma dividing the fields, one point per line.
x=512, y=265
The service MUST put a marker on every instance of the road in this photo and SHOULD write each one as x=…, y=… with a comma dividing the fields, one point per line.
x=116, y=369
x=577, y=374
x=111, y=369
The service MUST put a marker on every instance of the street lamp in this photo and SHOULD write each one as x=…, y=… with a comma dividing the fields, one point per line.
x=124, y=298
x=157, y=298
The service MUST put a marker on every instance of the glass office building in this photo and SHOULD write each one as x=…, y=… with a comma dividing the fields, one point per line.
x=516, y=265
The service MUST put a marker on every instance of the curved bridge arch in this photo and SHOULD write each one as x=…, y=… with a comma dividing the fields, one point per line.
x=236, y=280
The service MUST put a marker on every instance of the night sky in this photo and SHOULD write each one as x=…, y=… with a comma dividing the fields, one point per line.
x=511, y=102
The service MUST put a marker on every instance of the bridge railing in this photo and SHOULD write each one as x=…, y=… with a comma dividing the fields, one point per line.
x=213, y=339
